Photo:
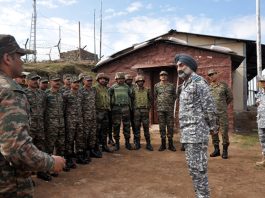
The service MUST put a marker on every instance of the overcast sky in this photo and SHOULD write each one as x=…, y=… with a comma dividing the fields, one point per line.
x=126, y=22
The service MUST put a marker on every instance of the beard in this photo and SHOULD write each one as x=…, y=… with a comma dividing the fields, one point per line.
x=184, y=73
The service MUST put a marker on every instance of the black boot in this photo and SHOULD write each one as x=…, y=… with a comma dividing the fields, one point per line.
x=137, y=143
x=182, y=148
x=111, y=142
x=163, y=145
x=86, y=155
x=95, y=153
x=171, y=146
x=127, y=144
x=66, y=168
x=105, y=148
x=80, y=158
x=117, y=145
x=44, y=176
x=148, y=145
x=225, y=152
x=216, y=151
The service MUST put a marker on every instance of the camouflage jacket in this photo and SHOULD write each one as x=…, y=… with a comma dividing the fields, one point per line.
x=37, y=101
x=197, y=111
x=88, y=103
x=165, y=96
x=18, y=154
x=222, y=96
x=73, y=105
x=54, y=105
x=261, y=109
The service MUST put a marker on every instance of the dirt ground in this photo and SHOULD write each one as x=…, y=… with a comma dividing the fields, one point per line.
x=145, y=174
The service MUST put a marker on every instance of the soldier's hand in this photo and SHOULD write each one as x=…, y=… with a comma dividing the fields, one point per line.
x=59, y=163
x=211, y=132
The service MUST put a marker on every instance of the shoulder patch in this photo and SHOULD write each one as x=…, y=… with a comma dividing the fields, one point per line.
x=196, y=78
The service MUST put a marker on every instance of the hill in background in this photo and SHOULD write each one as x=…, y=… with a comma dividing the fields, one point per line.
x=47, y=68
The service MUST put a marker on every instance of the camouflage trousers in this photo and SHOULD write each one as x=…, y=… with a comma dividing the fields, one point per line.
x=141, y=117
x=55, y=136
x=223, y=129
x=75, y=136
x=121, y=114
x=261, y=132
x=166, y=123
x=37, y=133
x=197, y=160
x=132, y=120
x=102, y=126
x=90, y=132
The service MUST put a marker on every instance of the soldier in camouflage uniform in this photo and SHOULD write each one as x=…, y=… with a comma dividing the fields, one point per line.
x=89, y=114
x=120, y=96
x=66, y=83
x=222, y=96
x=43, y=83
x=129, y=82
x=37, y=106
x=21, y=80
x=54, y=119
x=261, y=119
x=165, y=95
x=103, y=108
x=75, y=136
x=141, y=104
x=18, y=155
x=197, y=117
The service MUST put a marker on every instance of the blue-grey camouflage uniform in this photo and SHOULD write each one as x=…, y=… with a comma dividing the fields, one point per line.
x=197, y=116
x=261, y=118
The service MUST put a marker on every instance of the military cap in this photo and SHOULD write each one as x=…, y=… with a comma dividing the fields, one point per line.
x=8, y=44
x=88, y=78
x=139, y=78
x=211, y=71
x=119, y=75
x=102, y=75
x=128, y=77
x=74, y=79
x=23, y=75
x=66, y=76
x=187, y=60
x=32, y=76
x=81, y=76
x=163, y=73
x=44, y=79
x=55, y=77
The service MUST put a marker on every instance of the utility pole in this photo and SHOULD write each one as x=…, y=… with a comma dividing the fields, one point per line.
x=59, y=43
x=258, y=42
x=95, y=35
x=100, y=42
x=26, y=48
x=79, y=41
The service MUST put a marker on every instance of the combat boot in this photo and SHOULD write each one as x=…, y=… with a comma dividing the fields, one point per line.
x=94, y=153
x=44, y=176
x=127, y=144
x=137, y=143
x=80, y=158
x=117, y=145
x=70, y=162
x=111, y=142
x=171, y=146
x=225, y=152
x=148, y=145
x=262, y=162
x=216, y=151
x=86, y=155
x=105, y=148
x=163, y=145
x=182, y=148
